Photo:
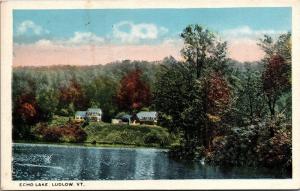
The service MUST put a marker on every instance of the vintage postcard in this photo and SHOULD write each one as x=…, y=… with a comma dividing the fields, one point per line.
x=150, y=94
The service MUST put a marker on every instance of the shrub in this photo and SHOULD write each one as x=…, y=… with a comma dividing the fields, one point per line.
x=152, y=138
x=114, y=138
x=160, y=138
x=236, y=148
x=66, y=133
x=265, y=144
x=276, y=151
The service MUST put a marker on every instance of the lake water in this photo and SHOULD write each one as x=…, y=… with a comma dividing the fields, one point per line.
x=59, y=162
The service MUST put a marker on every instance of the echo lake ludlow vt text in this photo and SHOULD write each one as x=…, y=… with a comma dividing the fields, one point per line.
x=53, y=184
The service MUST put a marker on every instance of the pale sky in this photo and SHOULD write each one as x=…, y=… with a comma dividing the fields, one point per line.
x=89, y=37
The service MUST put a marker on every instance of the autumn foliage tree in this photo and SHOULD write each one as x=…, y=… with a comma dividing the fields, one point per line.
x=27, y=109
x=72, y=96
x=199, y=85
x=25, y=114
x=275, y=81
x=211, y=102
x=133, y=93
x=218, y=95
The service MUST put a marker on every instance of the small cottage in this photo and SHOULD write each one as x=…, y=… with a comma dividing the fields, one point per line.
x=147, y=117
x=80, y=116
x=94, y=114
x=124, y=119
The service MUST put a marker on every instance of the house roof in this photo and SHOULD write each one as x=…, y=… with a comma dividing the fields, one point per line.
x=80, y=113
x=143, y=114
x=94, y=110
x=126, y=116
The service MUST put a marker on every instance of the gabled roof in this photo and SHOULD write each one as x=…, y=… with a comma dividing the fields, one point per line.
x=94, y=110
x=80, y=113
x=143, y=114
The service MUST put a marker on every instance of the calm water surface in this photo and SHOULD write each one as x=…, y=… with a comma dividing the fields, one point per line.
x=57, y=162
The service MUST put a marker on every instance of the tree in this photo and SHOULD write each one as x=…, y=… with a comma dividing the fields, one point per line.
x=282, y=46
x=133, y=93
x=24, y=111
x=211, y=102
x=202, y=50
x=100, y=93
x=173, y=89
x=47, y=102
x=218, y=94
x=72, y=96
x=250, y=106
x=275, y=81
x=206, y=55
x=277, y=74
x=194, y=93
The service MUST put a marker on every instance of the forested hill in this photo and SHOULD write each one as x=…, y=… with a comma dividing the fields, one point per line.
x=95, y=85
x=115, y=70
x=85, y=74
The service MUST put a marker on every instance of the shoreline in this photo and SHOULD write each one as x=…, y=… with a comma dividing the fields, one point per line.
x=89, y=145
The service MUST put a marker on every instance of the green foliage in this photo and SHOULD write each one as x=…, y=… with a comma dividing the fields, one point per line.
x=254, y=146
x=277, y=150
x=236, y=148
x=100, y=93
x=250, y=105
x=47, y=102
x=204, y=97
x=277, y=72
x=156, y=137
x=139, y=135
x=58, y=120
x=192, y=95
x=281, y=46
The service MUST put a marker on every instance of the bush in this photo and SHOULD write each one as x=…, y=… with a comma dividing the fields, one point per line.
x=236, y=148
x=276, y=151
x=265, y=144
x=52, y=135
x=114, y=138
x=66, y=133
x=152, y=138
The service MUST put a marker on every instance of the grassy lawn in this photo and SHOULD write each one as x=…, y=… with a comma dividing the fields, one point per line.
x=59, y=120
x=107, y=134
x=123, y=134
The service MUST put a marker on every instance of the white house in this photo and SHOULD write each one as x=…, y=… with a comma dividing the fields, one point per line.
x=94, y=114
x=147, y=117
x=80, y=116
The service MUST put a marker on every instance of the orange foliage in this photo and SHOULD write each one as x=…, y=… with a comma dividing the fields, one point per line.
x=133, y=93
x=275, y=77
x=218, y=94
x=72, y=94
